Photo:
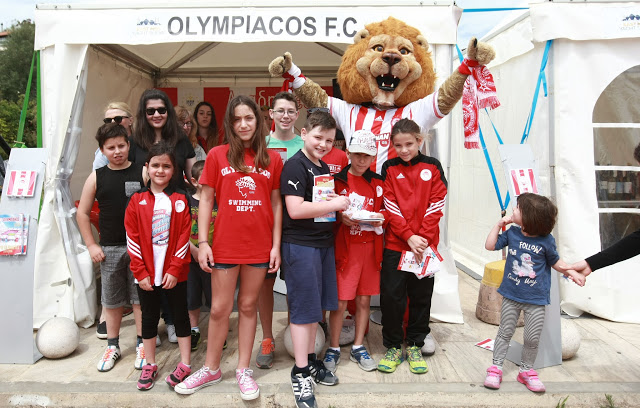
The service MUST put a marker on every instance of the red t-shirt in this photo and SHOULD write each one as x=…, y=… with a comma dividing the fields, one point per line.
x=336, y=159
x=243, y=228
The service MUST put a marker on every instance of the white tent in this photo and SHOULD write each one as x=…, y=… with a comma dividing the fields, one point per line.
x=582, y=132
x=96, y=53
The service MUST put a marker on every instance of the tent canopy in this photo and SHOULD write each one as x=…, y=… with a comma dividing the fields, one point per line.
x=193, y=46
x=233, y=39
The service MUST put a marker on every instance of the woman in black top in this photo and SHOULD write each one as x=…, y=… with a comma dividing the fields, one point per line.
x=156, y=120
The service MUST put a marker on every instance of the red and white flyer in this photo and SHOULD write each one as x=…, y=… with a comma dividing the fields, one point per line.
x=429, y=266
x=524, y=181
x=486, y=344
x=22, y=183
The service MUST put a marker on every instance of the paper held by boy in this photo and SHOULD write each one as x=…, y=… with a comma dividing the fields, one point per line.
x=428, y=267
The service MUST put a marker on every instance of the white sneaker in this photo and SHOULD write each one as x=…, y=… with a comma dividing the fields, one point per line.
x=108, y=360
x=171, y=333
x=429, y=346
x=140, y=360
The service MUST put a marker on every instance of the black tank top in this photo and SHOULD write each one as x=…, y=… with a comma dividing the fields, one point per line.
x=113, y=189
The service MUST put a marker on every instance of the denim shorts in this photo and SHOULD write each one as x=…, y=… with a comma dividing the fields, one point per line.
x=229, y=266
x=310, y=276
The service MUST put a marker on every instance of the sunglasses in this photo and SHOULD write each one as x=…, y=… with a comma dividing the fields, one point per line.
x=152, y=111
x=117, y=119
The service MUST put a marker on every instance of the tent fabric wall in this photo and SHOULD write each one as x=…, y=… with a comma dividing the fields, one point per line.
x=64, y=274
x=562, y=139
x=63, y=281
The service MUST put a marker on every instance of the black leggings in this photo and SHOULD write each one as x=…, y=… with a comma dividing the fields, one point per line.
x=150, y=302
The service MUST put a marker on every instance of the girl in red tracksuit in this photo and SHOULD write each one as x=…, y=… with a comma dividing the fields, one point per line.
x=158, y=224
x=415, y=189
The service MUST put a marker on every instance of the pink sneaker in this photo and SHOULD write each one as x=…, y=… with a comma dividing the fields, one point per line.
x=178, y=375
x=494, y=378
x=148, y=377
x=200, y=379
x=248, y=387
x=531, y=380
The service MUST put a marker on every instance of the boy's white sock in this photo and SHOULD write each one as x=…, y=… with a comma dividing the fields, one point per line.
x=353, y=347
x=335, y=349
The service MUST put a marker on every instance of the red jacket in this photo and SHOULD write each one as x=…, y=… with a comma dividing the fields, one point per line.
x=343, y=237
x=137, y=222
x=414, y=197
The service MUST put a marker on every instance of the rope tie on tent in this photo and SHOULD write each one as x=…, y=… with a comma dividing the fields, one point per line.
x=542, y=80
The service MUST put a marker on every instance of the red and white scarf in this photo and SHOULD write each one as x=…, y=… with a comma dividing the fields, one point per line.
x=479, y=92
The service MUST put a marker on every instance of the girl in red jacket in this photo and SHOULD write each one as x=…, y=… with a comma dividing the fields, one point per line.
x=244, y=177
x=158, y=223
x=415, y=189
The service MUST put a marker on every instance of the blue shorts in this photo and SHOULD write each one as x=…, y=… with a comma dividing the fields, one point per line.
x=310, y=276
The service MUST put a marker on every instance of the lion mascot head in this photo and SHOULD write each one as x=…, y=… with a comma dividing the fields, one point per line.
x=388, y=65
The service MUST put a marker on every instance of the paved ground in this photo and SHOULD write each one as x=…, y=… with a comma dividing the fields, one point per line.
x=608, y=362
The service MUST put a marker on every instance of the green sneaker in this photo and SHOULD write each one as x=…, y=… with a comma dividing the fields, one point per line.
x=391, y=359
x=417, y=365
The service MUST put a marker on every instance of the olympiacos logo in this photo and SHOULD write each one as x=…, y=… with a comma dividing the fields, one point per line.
x=425, y=174
x=245, y=185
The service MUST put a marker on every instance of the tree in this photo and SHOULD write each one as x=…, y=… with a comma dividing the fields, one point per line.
x=15, y=61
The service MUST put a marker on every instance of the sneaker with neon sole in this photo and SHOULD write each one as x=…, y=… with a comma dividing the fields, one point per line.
x=264, y=359
x=417, y=364
x=392, y=359
x=200, y=379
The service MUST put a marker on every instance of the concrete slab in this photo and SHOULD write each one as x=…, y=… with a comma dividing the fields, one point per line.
x=608, y=362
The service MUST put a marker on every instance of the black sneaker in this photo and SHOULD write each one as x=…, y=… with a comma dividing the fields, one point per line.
x=302, y=386
x=101, y=330
x=195, y=340
x=321, y=374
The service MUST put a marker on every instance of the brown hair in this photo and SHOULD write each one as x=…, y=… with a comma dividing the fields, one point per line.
x=212, y=130
x=109, y=131
x=196, y=169
x=287, y=96
x=144, y=135
x=538, y=213
x=636, y=153
x=320, y=118
x=236, y=148
x=406, y=126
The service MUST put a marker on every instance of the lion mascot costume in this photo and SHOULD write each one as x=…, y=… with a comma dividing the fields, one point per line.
x=388, y=75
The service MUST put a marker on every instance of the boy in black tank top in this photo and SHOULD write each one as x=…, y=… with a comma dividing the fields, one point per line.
x=112, y=185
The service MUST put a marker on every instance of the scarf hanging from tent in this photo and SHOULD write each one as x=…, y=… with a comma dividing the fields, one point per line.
x=527, y=129
x=479, y=92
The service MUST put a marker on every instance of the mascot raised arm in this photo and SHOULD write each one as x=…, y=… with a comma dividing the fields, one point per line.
x=386, y=75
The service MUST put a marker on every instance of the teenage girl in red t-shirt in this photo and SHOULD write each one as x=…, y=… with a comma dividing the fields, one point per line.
x=244, y=178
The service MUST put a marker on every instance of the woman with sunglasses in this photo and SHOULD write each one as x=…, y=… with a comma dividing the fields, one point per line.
x=185, y=121
x=156, y=120
x=120, y=113
x=205, y=129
